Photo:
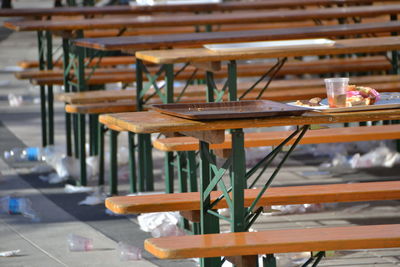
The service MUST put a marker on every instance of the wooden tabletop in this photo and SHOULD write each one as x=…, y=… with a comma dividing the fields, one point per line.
x=224, y=6
x=347, y=46
x=133, y=43
x=154, y=122
x=204, y=19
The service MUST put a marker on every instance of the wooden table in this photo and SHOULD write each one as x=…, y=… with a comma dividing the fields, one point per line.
x=208, y=131
x=44, y=27
x=206, y=19
x=204, y=7
x=207, y=58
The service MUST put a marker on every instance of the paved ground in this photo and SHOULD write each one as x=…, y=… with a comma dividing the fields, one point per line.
x=43, y=243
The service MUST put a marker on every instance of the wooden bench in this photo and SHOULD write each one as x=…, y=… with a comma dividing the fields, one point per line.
x=271, y=241
x=274, y=241
x=258, y=139
x=290, y=195
x=101, y=62
x=293, y=67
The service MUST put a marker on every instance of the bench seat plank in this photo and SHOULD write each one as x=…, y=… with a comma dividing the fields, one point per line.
x=275, y=241
x=331, y=135
x=273, y=196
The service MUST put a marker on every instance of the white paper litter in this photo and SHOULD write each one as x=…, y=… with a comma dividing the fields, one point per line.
x=9, y=253
x=77, y=189
x=98, y=197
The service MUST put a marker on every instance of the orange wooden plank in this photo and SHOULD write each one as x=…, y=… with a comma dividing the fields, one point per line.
x=273, y=196
x=332, y=135
x=275, y=241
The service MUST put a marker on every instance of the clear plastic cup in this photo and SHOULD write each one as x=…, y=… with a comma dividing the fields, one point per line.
x=336, y=91
x=128, y=252
x=79, y=243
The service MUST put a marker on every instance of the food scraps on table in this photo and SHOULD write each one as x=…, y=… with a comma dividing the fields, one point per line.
x=355, y=96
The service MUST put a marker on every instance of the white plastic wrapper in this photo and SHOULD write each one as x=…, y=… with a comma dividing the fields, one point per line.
x=381, y=156
x=160, y=223
x=15, y=100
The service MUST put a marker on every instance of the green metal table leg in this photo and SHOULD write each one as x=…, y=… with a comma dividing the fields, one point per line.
x=169, y=156
x=100, y=138
x=232, y=80
x=209, y=223
x=68, y=132
x=50, y=100
x=145, y=162
x=113, y=162
x=132, y=163
x=42, y=90
x=238, y=181
x=395, y=54
x=80, y=52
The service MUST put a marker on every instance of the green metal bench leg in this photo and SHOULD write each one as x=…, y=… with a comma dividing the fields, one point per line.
x=132, y=163
x=169, y=172
x=75, y=127
x=192, y=171
x=100, y=139
x=269, y=261
x=113, y=162
x=82, y=149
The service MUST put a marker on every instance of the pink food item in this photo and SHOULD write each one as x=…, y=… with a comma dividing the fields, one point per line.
x=361, y=95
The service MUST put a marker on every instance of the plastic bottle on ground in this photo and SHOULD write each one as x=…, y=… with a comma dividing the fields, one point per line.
x=23, y=154
x=18, y=205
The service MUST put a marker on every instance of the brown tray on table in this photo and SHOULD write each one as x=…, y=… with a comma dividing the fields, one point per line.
x=229, y=110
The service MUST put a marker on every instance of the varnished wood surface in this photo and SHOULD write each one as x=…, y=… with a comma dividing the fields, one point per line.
x=119, y=10
x=154, y=122
x=196, y=39
x=275, y=241
x=274, y=138
x=279, y=90
x=101, y=108
x=205, y=19
x=329, y=193
x=347, y=46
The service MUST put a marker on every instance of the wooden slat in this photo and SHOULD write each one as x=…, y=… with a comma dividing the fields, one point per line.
x=275, y=241
x=145, y=9
x=206, y=19
x=333, y=135
x=134, y=43
x=273, y=196
x=347, y=46
x=101, y=108
x=126, y=75
x=105, y=61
